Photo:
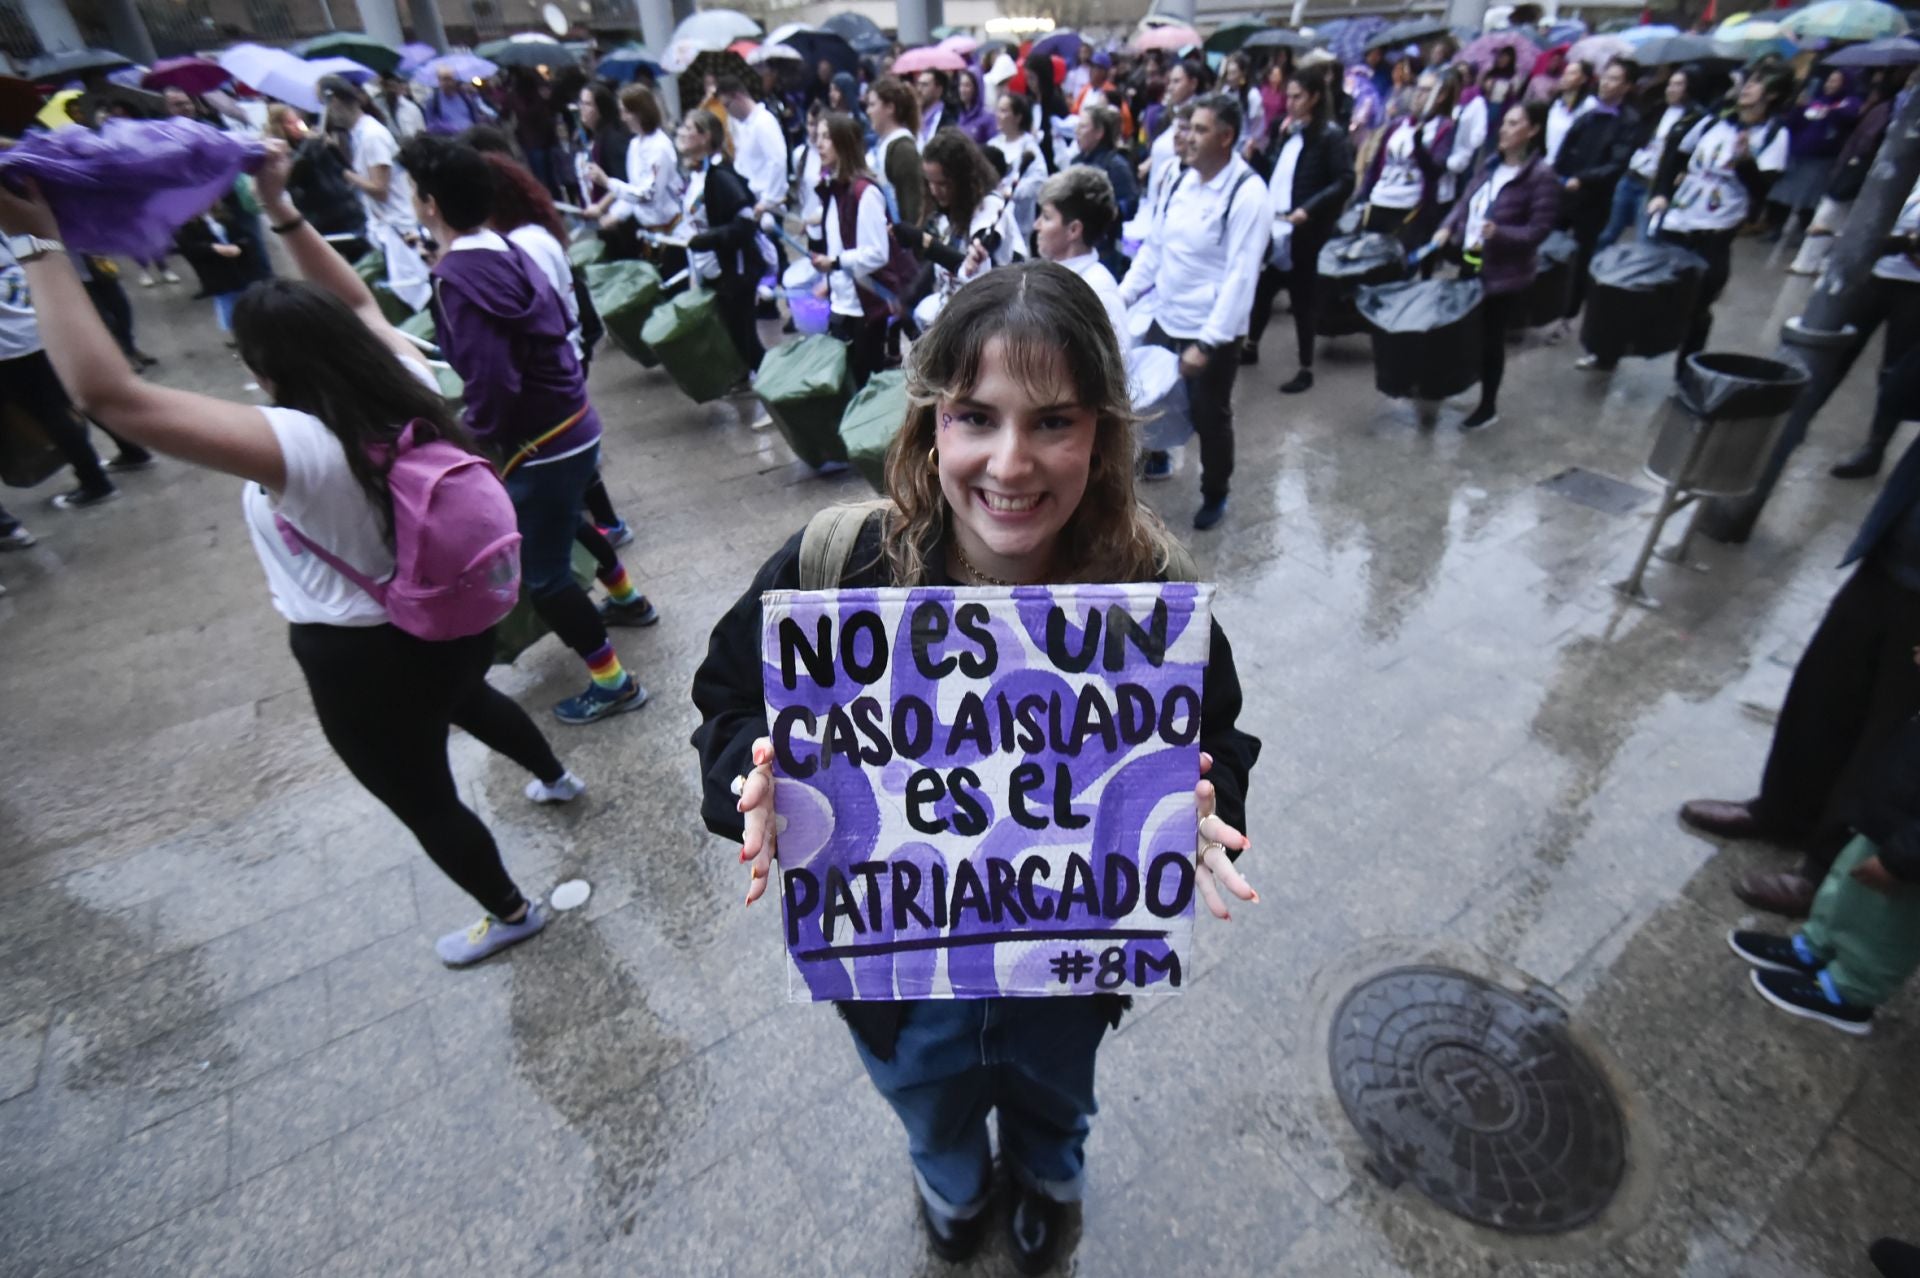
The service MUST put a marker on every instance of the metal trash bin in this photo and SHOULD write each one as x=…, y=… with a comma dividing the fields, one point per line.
x=1718, y=432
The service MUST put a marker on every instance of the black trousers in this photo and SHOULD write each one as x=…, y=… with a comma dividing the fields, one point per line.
x=1894, y=304
x=1301, y=283
x=1210, y=396
x=1855, y=685
x=735, y=297
x=30, y=382
x=1587, y=224
x=866, y=340
x=1496, y=312
x=385, y=701
x=116, y=312
x=1717, y=248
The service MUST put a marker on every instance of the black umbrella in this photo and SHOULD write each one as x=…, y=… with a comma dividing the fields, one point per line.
x=522, y=51
x=1668, y=50
x=1281, y=38
x=54, y=67
x=1896, y=51
x=1412, y=31
x=824, y=46
x=859, y=31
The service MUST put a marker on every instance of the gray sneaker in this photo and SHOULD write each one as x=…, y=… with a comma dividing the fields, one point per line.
x=487, y=937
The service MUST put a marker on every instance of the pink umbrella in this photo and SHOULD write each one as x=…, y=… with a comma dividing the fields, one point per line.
x=189, y=75
x=932, y=58
x=964, y=45
x=1481, y=51
x=1598, y=50
x=1170, y=38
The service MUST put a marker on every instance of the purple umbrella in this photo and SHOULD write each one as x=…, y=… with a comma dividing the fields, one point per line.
x=345, y=68
x=465, y=66
x=412, y=55
x=1349, y=42
x=1061, y=44
x=1481, y=52
x=189, y=75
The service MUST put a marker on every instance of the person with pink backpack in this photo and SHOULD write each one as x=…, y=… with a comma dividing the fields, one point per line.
x=388, y=545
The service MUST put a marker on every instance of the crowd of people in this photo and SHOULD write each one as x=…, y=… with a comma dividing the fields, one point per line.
x=1007, y=234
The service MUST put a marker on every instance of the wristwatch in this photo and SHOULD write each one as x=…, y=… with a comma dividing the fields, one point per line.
x=25, y=248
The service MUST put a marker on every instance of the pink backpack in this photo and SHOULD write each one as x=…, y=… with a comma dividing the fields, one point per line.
x=456, y=543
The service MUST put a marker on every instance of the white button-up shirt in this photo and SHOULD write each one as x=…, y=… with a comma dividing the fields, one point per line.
x=867, y=254
x=760, y=155
x=1088, y=267
x=1202, y=257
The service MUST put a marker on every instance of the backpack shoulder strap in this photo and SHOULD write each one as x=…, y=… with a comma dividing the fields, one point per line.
x=1226, y=209
x=826, y=547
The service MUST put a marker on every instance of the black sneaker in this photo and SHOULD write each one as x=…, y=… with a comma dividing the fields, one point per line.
x=1300, y=382
x=81, y=498
x=640, y=612
x=955, y=1241
x=1156, y=466
x=1816, y=1000
x=1211, y=512
x=1480, y=418
x=123, y=463
x=1249, y=355
x=1034, y=1229
x=1775, y=953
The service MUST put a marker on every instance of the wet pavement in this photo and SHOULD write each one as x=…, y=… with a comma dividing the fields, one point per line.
x=226, y=1046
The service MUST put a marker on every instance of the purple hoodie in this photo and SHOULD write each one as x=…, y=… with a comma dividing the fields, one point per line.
x=504, y=332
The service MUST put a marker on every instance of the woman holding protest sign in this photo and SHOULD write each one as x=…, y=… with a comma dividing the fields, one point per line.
x=1014, y=466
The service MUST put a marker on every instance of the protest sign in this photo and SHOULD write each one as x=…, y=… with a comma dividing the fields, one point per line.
x=986, y=791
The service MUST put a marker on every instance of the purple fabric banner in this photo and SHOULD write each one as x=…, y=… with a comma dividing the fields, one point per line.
x=986, y=792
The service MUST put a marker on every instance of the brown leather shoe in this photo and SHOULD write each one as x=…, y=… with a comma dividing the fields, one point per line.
x=1784, y=892
x=1723, y=819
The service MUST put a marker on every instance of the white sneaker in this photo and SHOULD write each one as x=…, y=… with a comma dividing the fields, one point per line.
x=169, y=277
x=17, y=539
x=565, y=790
x=146, y=280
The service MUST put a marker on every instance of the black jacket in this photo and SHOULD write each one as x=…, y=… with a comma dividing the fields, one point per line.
x=319, y=189
x=1889, y=813
x=220, y=274
x=1596, y=150
x=1323, y=178
x=1895, y=502
x=730, y=237
x=733, y=713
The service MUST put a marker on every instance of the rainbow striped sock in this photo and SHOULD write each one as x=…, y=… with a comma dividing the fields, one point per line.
x=620, y=587
x=606, y=669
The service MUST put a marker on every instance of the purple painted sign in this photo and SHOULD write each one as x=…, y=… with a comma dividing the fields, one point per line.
x=986, y=791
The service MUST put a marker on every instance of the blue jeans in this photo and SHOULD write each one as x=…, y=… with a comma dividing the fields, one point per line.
x=223, y=304
x=548, y=499
x=1629, y=201
x=1030, y=1058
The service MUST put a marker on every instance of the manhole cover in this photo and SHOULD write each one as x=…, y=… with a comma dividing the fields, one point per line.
x=1595, y=491
x=1478, y=1097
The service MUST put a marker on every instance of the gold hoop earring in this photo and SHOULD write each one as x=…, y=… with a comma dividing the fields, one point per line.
x=933, y=459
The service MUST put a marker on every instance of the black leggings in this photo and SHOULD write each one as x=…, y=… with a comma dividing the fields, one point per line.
x=866, y=341
x=1300, y=284
x=385, y=700
x=1495, y=311
x=30, y=382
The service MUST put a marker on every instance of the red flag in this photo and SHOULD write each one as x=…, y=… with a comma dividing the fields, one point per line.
x=1711, y=12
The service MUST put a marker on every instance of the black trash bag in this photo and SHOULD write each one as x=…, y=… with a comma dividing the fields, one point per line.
x=1346, y=263
x=1427, y=336
x=1719, y=385
x=1640, y=300
x=1552, y=286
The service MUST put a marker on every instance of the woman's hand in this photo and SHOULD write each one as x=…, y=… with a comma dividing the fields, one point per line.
x=756, y=806
x=1211, y=865
x=1440, y=238
x=596, y=175
x=822, y=263
x=26, y=214
x=1656, y=206
x=227, y=250
x=270, y=183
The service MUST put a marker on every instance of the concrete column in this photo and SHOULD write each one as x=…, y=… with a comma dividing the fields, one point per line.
x=1179, y=10
x=427, y=27
x=380, y=20
x=53, y=25
x=656, y=30
x=1466, y=13
x=127, y=30
x=916, y=23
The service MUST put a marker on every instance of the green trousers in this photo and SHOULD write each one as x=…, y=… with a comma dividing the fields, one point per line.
x=1870, y=939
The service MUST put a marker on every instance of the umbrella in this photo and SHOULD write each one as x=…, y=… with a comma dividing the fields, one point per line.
x=74, y=62
x=774, y=53
x=854, y=27
x=363, y=49
x=464, y=66
x=1647, y=31
x=1598, y=50
x=624, y=63
x=1481, y=52
x=1172, y=38
x=189, y=75
x=744, y=48
x=960, y=44
x=932, y=58
x=1565, y=31
x=1845, y=20
x=274, y=73
x=713, y=62
x=1411, y=31
x=716, y=28
x=528, y=51
x=54, y=113
x=346, y=68
x=1232, y=36
x=1060, y=44
x=412, y=55
x=1755, y=38
x=1348, y=37
x=1896, y=51
x=1674, y=50
x=1281, y=38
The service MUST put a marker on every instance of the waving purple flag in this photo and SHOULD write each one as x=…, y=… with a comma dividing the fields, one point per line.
x=127, y=188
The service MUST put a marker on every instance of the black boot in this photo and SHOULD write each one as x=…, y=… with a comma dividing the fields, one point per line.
x=1034, y=1226
x=954, y=1241
x=1863, y=464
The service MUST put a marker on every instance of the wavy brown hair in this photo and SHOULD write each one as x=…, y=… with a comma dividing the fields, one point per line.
x=1047, y=320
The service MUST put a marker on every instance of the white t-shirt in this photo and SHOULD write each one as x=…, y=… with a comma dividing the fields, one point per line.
x=1088, y=267
x=1711, y=196
x=552, y=260
x=19, y=328
x=1400, y=184
x=1900, y=266
x=760, y=155
x=1645, y=163
x=374, y=147
x=1481, y=203
x=324, y=501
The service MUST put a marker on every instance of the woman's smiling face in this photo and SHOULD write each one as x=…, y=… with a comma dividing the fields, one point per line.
x=1014, y=455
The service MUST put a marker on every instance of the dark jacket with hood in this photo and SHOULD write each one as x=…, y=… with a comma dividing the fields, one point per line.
x=1522, y=214
x=504, y=330
x=1596, y=150
x=727, y=690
